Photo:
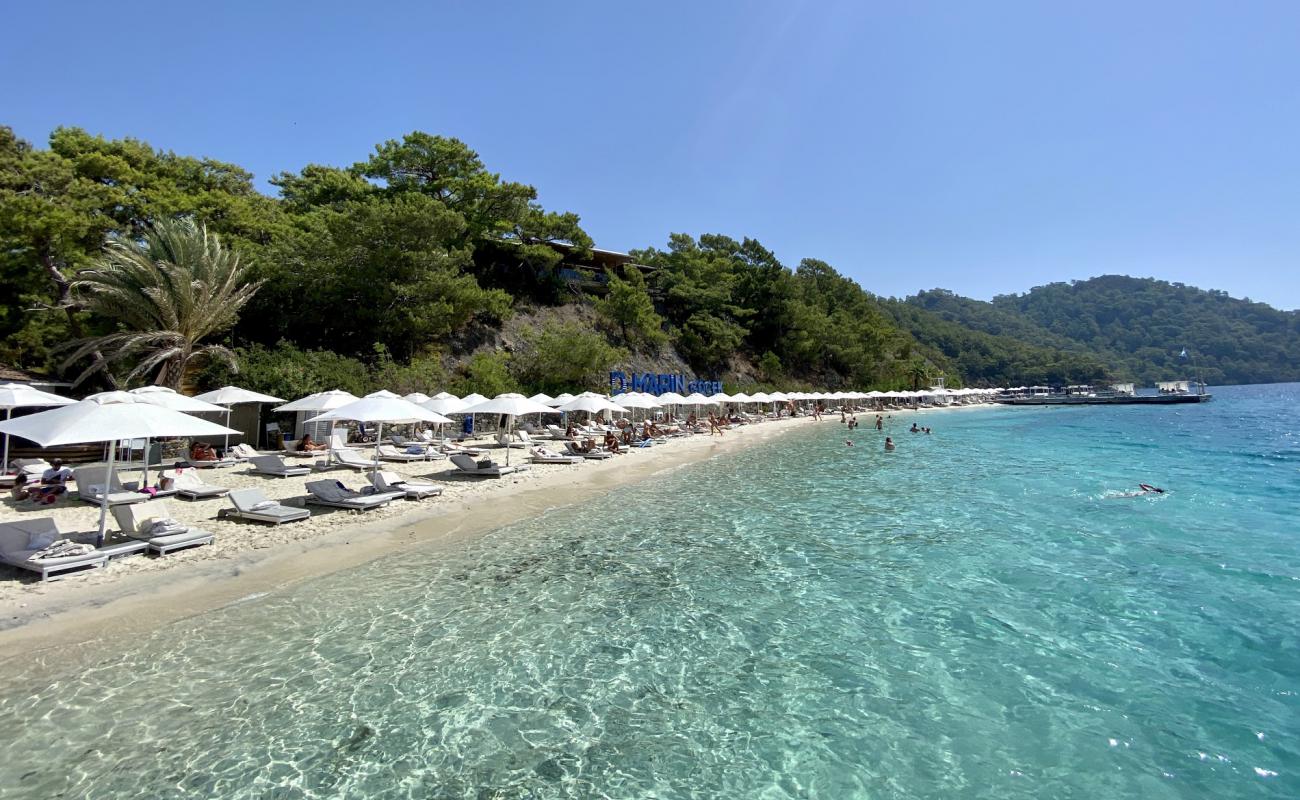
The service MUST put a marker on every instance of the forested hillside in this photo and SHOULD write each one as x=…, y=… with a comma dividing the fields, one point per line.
x=417, y=268
x=1139, y=328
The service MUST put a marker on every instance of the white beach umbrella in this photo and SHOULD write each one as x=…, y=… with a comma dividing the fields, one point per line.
x=558, y=400
x=387, y=395
x=108, y=417
x=740, y=397
x=163, y=397
x=444, y=396
x=228, y=396
x=320, y=401
x=592, y=405
x=671, y=399
x=541, y=397
x=779, y=397
x=20, y=395
x=445, y=405
x=170, y=398
x=511, y=405
x=415, y=397
x=720, y=397
x=697, y=399
x=380, y=409
x=471, y=399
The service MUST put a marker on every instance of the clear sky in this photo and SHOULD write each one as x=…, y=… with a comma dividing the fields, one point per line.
x=985, y=147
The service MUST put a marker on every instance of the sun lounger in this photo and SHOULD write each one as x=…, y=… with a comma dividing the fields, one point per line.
x=504, y=440
x=389, y=453
x=252, y=504
x=243, y=451
x=557, y=433
x=485, y=469
x=595, y=455
x=191, y=487
x=153, y=526
x=385, y=481
x=92, y=482
x=223, y=462
x=451, y=449
x=544, y=455
x=275, y=466
x=336, y=495
x=20, y=542
x=33, y=468
x=347, y=457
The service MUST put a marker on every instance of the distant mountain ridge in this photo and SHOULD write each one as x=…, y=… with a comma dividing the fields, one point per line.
x=1138, y=328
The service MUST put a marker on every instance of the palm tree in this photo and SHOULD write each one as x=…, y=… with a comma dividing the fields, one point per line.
x=166, y=292
x=918, y=369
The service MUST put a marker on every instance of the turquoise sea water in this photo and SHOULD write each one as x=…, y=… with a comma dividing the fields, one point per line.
x=976, y=615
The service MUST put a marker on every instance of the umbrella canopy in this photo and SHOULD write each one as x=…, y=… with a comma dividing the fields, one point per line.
x=233, y=395
x=720, y=397
x=740, y=397
x=321, y=401
x=510, y=404
x=379, y=409
x=108, y=417
x=444, y=396
x=671, y=399
x=541, y=397
x=416, y=397
x=385, y=394
x=558, y=400
x=471, y=399
x=637, y=400
x=20, y=395
x=170, y=398
x=592, y=405
x=445, y=405
x=761, y=397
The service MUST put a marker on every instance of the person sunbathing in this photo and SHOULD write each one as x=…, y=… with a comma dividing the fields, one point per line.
x=306, y=445
x=611, y=443
x=202, y=451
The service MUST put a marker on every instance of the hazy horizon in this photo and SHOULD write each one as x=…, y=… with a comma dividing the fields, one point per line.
x=982, y=150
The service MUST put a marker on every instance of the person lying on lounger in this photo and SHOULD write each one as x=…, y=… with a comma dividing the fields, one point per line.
x=611, y=443
x=306, y=445
x=202, y=451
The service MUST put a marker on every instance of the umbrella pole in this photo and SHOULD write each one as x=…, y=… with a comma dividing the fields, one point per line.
x=379, y=438
x=4, y=467
x=227, y=445
x=510, y=423
x=145, y=485
x=103, y=500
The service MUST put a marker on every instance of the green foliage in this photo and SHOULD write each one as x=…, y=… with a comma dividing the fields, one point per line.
x=770, y=368
x=1141, y=325
x=566, y=357
x=285, y=370
x=628, y=310
x=377, y=270
x=486, y=373
x=166, y=292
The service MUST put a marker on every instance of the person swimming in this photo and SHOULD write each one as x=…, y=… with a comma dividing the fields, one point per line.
x=889, y=444
x=914, y=429
x=1143, y=490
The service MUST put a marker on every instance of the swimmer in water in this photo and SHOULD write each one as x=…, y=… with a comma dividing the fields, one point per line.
x=847, y=443
x=1144, y=489
x=889, y=444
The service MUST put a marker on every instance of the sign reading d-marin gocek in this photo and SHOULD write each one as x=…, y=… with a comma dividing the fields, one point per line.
x=659, y=383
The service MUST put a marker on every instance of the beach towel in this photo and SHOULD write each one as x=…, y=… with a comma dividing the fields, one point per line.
x=63, y=549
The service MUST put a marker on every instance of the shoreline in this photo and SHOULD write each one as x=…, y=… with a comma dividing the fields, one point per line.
x=79, y=613
x=142, y=594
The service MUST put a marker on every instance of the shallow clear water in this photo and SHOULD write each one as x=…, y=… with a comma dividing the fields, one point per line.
x=976, y=615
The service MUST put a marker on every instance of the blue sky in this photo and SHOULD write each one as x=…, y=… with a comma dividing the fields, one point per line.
x=981, y=147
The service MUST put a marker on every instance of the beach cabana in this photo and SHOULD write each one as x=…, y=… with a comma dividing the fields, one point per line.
x=108, y=417
x=317, y=403
x=228, y=396
x=20, y=395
